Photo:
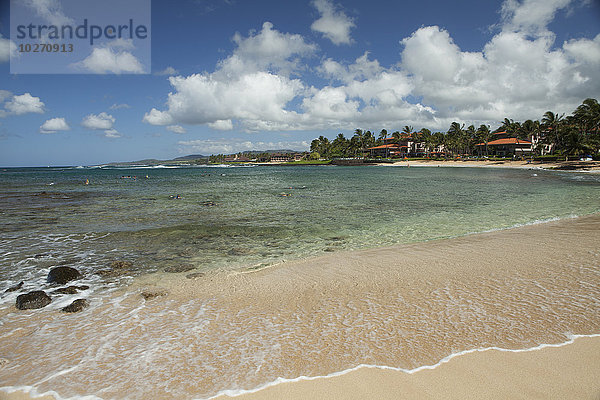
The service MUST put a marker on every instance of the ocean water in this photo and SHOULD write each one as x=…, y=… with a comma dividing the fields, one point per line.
x=232, y=331
x=249, y=217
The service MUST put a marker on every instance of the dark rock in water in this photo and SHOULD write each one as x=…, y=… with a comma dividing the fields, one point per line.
x=32, y=300
x=71, y=289
x=152, y=294
x=195, y=275
x=76, y=306
x=62, y=275
x=121, y=265
x=41, y=255
x=175, y=269
x=14, y=288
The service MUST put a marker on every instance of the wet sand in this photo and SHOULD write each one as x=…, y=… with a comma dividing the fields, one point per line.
x=404, y=306
x=579, y=166
x=567, y=372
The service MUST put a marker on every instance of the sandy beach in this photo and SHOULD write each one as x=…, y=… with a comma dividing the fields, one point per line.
x=580, y=166
x=566, y=372
x=404, y=306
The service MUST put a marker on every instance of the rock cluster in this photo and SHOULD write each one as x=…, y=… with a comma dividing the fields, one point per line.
x=38, y=298
x=33, y=300
x=62, y=275
x=76, y=306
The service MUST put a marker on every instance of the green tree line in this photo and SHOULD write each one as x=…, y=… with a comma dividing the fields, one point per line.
x=557, y=134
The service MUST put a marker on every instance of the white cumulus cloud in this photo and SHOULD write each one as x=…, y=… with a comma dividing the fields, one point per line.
x=167, y=71
x=334, y=24
x=530, y=16
x=176, y=129
x=102, y=121
x=113, y=57
x=23, y=104
x=119, y=106
x=4, y=94
x=251, y=85
x=8, y=48
x=236, y=145
x=50, y=10
x=112, y=133
x=267, y=50
x=520, y=73
x=514, y=75
x=221, y=125
x=54, y=125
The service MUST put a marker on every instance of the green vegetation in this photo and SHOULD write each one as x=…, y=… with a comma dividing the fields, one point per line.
x=309, y=162
x=554, y=135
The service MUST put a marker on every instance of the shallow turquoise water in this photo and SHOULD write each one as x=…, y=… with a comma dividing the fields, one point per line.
x=236, y=217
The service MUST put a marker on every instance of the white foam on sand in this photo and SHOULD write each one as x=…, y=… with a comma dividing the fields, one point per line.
x=235, y=393
x=32, y=392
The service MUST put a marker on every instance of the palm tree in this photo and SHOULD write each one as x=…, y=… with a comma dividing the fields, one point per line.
x=454, y=137
x=528, y=129
x=354, y=145
x=426, y=139
x=368, y=140
x=456, y=128
x=552, y=124
x=587, y=116
x=321, y=146
x=551, y=119
x=382, y=135
x=485, y=135
x=510, y=126
x=397, y=138
x=437, y=140
x=470, y=138
x=357, y=141
x=573, y=142
x=339, y=145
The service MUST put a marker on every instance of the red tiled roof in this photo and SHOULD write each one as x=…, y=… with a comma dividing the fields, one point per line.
x=511, y=140
x=500, y=133
x=384, y=146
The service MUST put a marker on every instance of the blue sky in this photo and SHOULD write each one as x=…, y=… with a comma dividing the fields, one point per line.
x=232, y=75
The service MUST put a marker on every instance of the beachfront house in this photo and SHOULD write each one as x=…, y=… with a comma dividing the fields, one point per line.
x=300, y=156
x=503, y=145
x=405, y=146
x=278, y=157
x=390, y=150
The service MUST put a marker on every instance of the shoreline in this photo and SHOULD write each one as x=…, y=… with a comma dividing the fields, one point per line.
x=432, y=381
x=558, y=166
x=474, y=368
x=449, y=277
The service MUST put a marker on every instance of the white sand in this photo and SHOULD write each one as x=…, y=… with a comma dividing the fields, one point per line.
x=568, y=372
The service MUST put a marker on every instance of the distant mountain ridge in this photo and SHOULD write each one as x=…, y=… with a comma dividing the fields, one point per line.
x=190, y=157
x=197, y=157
